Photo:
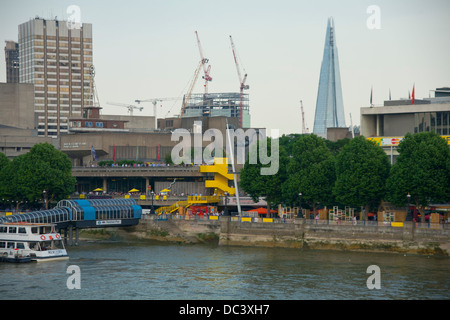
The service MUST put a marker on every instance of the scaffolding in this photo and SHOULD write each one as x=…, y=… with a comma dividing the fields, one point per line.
x=225, y=104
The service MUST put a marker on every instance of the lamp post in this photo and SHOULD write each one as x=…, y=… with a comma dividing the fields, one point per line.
x=408, y=198
x=45, y=199
x=226, y=204
x=152, y=210
x=300, y=213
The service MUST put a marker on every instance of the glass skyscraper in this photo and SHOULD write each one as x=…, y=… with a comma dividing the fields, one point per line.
x=329, y=106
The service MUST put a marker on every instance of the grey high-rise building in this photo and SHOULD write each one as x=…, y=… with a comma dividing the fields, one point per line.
x=57, y=59
x=12, y=61
x=329, y=106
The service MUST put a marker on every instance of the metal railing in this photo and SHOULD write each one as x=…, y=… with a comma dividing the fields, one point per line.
x=245, y=219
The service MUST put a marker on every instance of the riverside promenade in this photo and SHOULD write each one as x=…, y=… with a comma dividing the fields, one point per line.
x=299, y=233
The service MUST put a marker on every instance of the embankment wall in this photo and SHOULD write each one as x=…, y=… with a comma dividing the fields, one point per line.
x=298, y=233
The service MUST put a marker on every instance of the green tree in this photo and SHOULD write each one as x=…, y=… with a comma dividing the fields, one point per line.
x=267, y=186
x=422, y=169
x=310, y=171
x=361, y=172
x=42, y=172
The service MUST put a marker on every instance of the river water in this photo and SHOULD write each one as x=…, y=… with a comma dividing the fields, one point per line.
x=154, y=271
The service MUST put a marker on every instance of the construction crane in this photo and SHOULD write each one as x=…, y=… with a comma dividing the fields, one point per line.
x=191, y=87
x=206, y=69
x=242, y=85
x=304, y=128
x=155, y=102
x=128, y=106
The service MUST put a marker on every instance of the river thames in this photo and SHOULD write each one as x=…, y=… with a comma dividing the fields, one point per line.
x=154, y=271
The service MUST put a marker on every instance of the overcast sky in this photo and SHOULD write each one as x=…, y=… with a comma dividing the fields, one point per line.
x=148, y=49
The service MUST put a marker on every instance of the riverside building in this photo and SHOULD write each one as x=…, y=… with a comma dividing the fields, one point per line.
x=57, y=59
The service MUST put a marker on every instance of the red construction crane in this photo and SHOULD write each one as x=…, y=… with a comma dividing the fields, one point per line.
x=206, y=70
x=242, y=85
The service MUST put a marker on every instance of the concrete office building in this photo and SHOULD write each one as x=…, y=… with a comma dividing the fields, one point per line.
x=387, y=125
x=17, y=120
x=58, y=61
x=12, y=61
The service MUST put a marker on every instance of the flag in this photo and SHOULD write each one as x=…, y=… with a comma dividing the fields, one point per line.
x=371, y=93
x=114, y=153
x=389, y=94
x=409, y=95
x=412, y=102
x=94, y=155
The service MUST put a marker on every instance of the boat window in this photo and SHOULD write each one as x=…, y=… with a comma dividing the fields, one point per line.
x=2, y=244
x=33, y=245
x=22, y=230
x=10, y=245
x=34, y=230
x=12, y=230
x=20, y=245
x=3, y=229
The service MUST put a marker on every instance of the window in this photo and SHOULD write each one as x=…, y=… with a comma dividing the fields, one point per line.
x=22, y=230
x=88, y=124
x=2, y=244
x=12, y=230
x=20, y=245
x=99, y=124
x=3, y=229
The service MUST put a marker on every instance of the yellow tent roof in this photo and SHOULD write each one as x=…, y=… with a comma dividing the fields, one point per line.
x=98, y=189
x=133, y=190
x=165, y=190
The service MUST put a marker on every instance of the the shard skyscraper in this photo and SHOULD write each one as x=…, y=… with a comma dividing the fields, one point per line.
x=329, y=106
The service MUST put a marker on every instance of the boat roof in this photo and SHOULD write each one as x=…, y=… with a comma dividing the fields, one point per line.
x=27, y=224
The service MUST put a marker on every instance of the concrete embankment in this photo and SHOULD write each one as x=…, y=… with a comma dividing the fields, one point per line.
x=297, y=234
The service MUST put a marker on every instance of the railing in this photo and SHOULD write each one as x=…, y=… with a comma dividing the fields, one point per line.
x=244, y=219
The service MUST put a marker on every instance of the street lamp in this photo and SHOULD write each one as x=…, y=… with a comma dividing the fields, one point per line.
x=45, y=199
x=408, y=197
x=152, y=210
x=226, y=204
x=300, y=214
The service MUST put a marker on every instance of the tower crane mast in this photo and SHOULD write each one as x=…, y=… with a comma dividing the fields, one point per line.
x=304, y=128
x=155, y=102
x=206, y=69
x=242, y=85
x=128, y=106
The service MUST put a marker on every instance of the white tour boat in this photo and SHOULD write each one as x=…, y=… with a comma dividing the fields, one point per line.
x=33, y=241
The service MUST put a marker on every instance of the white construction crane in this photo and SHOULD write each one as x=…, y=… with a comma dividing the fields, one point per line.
x=128, y=106
x=242, y=85
x=191, y=87
x=304, y=128
x=206, y=70
x=155, y=102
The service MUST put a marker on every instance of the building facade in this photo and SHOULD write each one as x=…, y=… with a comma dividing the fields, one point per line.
x=329, y=105
x=12, y=61
x=58, y=61
x=387, y=125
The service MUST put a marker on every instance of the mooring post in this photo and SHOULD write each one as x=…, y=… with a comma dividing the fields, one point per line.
x=70, y=235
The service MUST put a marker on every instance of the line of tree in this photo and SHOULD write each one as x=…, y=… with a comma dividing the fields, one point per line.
x=354, y=172
x=41, y=176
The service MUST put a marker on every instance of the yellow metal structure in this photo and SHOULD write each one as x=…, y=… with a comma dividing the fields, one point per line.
x=185, y=204
x=221, y=176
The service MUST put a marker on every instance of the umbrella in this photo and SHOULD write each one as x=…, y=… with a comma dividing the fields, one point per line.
x=133, y=190
x=262, y=210
x=98, y=189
